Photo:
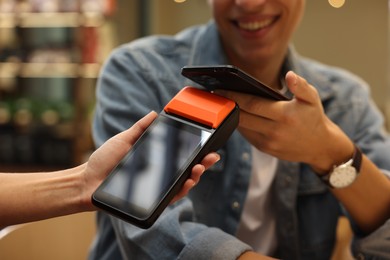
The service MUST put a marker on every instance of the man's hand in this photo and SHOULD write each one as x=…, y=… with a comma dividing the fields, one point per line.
x=295, y=130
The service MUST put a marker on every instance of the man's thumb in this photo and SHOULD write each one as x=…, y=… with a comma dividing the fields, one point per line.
x=300, y=88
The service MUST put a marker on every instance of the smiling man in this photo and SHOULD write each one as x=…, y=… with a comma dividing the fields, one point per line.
x=289, y=172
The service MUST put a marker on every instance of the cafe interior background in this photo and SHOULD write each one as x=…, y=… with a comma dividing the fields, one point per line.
x=50, y=55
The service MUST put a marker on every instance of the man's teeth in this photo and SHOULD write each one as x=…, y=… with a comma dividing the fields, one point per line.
x=253, y=26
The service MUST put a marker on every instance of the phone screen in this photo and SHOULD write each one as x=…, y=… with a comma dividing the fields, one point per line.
x=152, y=166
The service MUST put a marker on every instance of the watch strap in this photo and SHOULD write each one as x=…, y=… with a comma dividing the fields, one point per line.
x=357, y=159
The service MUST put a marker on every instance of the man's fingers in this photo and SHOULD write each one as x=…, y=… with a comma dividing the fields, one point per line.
x=210, y=159
x=301, y=89
x=196, y=174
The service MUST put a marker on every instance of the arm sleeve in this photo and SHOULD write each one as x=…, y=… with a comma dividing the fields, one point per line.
x=374, y=246
x=176, y=236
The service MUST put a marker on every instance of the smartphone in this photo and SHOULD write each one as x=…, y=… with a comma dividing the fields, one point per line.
x=231, y=78
x=194, y=123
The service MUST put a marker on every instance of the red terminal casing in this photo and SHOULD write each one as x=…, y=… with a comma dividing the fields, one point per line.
x=200, y=106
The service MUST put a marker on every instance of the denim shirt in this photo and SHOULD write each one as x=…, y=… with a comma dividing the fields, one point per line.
x=145, y=74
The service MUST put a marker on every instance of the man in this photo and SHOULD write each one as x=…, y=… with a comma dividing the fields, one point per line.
x=270, y=194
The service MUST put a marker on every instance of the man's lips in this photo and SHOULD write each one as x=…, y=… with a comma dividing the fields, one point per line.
x=255, y=25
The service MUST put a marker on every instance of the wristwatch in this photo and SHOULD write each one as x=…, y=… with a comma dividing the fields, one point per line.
x=345, y=174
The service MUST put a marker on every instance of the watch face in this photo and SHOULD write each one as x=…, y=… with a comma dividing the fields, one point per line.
x=342, y=176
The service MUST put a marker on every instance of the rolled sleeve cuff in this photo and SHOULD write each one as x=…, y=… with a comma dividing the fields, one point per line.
x=212, y=243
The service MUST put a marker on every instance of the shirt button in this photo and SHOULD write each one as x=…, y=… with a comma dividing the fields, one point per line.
x=236, y=205
x=245, y=156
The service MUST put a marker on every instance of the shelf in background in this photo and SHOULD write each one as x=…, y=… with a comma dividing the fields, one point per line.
x=49, y=70
x=50, y=20
x=50, y=59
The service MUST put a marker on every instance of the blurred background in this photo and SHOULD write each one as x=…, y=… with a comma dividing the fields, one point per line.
x=50, y=56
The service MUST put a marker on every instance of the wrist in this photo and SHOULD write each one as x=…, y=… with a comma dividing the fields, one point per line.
x=331, y=163
x=82, y=189
x=333, y=156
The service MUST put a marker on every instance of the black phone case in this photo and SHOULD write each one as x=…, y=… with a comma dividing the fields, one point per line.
x=230, y=78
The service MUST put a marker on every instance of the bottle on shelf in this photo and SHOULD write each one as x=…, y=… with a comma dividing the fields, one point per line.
x=50, y=55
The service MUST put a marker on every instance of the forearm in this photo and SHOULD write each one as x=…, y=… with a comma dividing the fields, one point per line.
x=367, y=200
x=29, y=197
